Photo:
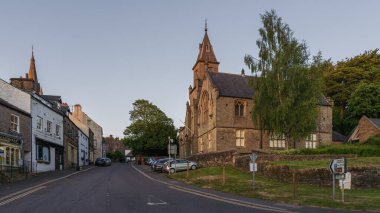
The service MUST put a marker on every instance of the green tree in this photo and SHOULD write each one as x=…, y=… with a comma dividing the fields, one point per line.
x=289, y=87
x=342, y=80
x=364, y=101
x=149, y=130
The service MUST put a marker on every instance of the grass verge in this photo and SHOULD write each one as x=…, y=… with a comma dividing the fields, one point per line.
x=314, y=164
x=240, y=183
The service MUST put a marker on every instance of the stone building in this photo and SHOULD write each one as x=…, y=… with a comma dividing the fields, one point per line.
x=15, y=125
x=96, y=129
x=114, y=144
x=30, y=82
x=219, y=108
x=366, y=128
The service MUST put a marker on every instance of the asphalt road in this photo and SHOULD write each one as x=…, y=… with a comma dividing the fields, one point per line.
x=128, y=188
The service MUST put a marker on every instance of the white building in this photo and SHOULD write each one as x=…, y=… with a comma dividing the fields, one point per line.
x=83, y=148
x=47, y=136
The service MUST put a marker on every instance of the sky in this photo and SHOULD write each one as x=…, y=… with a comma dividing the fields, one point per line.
x=105, y=55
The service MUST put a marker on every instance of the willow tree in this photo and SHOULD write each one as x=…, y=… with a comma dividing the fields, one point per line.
x=287, y=88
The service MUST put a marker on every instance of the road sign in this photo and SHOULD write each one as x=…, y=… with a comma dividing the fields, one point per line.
x=338, y=166
x=253, y=157
x=345, y=183
x=172, y=149
x=253, y=167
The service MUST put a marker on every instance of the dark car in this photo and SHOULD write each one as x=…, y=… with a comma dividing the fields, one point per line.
x=158, y=164
x=103, y=162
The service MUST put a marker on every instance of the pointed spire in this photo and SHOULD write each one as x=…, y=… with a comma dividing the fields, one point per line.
x=206, y=52
x=206, y=25
x=32, y=74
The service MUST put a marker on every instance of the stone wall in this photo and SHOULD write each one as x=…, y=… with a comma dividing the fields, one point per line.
x=214, y=158
x=362, y=177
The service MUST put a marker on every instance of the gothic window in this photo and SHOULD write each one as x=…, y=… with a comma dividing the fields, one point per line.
x=204, y=108
x=201, y=145
x=277, y=141
x=311, y=141
x=239, y=108
x=239, y=137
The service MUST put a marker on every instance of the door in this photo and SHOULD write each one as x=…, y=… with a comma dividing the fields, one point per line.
x=58, y=158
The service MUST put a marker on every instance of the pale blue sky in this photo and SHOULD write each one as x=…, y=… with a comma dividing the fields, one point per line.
x=106, y=54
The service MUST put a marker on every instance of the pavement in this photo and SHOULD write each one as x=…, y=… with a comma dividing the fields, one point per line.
x=35, y=179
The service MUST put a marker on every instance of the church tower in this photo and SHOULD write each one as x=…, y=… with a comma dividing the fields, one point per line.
x=30, y=82
x=206, y=60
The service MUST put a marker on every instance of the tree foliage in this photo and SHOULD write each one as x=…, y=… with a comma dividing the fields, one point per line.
x=343, y=79
x=364, y=101
x=149, y=130
x=289, y=87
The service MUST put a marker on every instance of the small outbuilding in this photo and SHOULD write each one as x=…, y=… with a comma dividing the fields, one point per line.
x=366, y=128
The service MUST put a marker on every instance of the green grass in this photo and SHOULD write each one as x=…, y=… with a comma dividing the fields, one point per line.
x=314, y=164
x=240, y=183
x=371, y=148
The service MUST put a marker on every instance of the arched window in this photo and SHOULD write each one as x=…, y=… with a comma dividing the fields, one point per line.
x=204, y=106
x=239, y=108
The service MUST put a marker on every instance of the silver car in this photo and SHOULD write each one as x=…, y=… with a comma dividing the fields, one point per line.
x=177, y=165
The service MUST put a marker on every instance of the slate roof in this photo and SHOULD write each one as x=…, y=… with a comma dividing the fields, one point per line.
x=50, y=98
x=336, y=136
x=237, y=86
x=231, y=85
x=375, y=121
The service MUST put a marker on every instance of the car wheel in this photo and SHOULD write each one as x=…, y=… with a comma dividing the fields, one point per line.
x=193, y=167
x=172, y=171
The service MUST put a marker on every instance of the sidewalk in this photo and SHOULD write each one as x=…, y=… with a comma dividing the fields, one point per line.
x=35, y=179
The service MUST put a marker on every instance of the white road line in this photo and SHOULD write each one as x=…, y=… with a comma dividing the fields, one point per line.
x=213, y=196
x=39, y=185
x=21, y=195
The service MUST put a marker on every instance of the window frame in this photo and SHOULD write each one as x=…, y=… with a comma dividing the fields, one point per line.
x=311, y=141
x=276, y=141
x=240, y=108
x=48, y=126
x=40, y=123
x=14, y=123
x=240, y=137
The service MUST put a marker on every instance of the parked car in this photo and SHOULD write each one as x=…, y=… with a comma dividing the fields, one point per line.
x=172, y=166
x=159, y=164
x=103, y=162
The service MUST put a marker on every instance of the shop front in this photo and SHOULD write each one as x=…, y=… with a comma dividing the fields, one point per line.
x=10, y=150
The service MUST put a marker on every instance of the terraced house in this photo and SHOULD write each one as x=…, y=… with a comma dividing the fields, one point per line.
x=218, y=112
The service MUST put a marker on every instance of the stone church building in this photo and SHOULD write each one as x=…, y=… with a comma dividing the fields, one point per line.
x=219, y=108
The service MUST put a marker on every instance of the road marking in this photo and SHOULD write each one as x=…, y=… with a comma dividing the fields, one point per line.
x=21, y=195
x=30, y=190
x=215, y=197
x=152, y=201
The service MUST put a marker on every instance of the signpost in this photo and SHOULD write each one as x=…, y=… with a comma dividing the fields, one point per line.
x=253, y=168
x=338, y=168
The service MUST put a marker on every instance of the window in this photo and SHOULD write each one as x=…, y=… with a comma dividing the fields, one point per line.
x=201, y=145
x=239, y=137
x=39, y=122
x=43, y=153
x=209, y=141
x=239, y=108
x=311, y=141
x=277, y=141
x=48, y=126
x=57, y=127
x=15, y=123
